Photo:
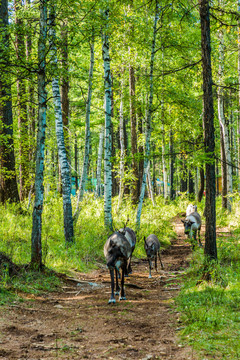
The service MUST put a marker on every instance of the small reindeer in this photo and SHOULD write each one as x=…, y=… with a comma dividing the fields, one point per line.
x=117, y=251
x=152, y=248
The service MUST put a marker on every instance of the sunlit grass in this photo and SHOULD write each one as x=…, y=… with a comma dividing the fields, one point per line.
x=90, y=233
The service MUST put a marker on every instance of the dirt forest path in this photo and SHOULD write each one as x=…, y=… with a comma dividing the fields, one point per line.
x=78, y=323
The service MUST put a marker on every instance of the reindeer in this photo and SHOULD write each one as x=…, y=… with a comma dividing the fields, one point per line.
x=131, y=237
x=117, y=251
x=192, y=226
x=152, y=248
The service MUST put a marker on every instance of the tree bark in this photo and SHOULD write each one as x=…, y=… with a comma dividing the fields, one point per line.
x=164, y=163
x=8, y=181
x=24, y=185
x=202, y=181
x=208, y=118
x=172, y=167
x=36, y=256
x=65, y=88
x=225, y=142
x=99, y=161
x=122, y=152
x=62, y=154
x=108, y=128
x=133, y=120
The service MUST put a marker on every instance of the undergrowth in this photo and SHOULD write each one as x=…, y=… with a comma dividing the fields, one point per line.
x=90, y=235
x=210, y=320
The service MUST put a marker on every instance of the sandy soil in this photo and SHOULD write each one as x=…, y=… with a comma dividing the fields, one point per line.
x=78, y=323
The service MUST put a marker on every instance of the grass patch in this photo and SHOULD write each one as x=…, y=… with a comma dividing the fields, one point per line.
x=211, y=310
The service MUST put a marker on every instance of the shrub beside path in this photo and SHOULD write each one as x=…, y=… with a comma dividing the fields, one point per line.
x=78, y=323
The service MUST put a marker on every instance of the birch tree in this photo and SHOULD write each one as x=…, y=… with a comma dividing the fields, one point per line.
x=99, y=161
x=122, y=152
x=108, y=125
x=87, y=136
x=62, y=154
x=148, y=123
x=224, y=132
x=36, y=255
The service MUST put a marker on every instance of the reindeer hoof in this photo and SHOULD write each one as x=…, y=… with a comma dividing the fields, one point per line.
x=112, y=301
x=122, y=298
x=150, y=276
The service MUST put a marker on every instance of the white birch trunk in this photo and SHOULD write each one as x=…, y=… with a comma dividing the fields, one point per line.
x=62, y=154
x=222, y=121
x=99, y=161
x=108, y=124
x=87, y=137
x=122, y=155
x=148, y=125
x=150, y=188
x=36, y=255
x=164, y=164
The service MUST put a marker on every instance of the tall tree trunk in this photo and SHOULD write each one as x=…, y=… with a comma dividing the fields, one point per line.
x=24, y=185
x=122, y=151
x=76, y=161
x=140, y=150
x=150, y=187
x=133, y=120
x=99, y=161
x=31, y=111
x=164, y=163
x=65, y=88
x=148, y=124
x=172, y=167
x=238, y=164
x=226, y=154
x=36, y=256
x=62, y=154
x=108, y=127
x=85, y=167
x=224, y=171
x=8, y=181
x=208, y=118
x=190, y=185
x=201, y=189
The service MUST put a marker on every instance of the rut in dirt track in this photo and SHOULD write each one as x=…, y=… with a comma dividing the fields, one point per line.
x=78, y=323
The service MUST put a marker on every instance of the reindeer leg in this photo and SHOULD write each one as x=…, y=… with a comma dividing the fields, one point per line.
x=150, y=267
x=156, y=263
x=123, y=297
x=117, y=284
x=159, y=256
x=112, y=298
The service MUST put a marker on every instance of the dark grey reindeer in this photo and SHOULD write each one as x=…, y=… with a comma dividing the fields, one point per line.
x=117, y=251
x=152, y=248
